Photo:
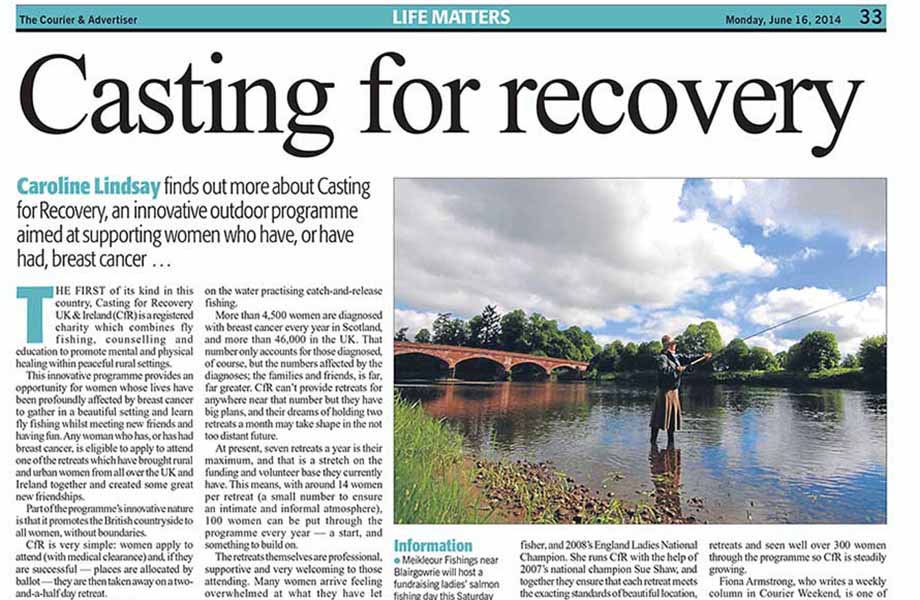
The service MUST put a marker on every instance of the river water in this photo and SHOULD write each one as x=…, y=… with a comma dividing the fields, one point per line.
x=744, y=455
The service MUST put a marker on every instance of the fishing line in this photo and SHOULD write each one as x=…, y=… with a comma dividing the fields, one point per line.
x=792, y=320
x=808, y=314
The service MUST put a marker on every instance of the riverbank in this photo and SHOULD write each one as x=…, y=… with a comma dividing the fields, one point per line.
x=538, y=493
x=854, y=379
x=436, y=483
x=834, y=378
x=432, y=484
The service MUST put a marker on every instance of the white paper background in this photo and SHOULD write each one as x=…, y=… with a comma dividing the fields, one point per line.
x=879, y=140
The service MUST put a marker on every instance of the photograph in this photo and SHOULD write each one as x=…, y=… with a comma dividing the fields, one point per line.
x=348, y=300
x=648, y=351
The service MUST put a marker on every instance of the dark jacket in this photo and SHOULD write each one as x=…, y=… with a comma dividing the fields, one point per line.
x=668, y=375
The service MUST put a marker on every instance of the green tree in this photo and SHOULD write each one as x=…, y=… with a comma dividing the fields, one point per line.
x=584, y=343
x=873, y=355
x=607, y=359
x=850, y=361
x=559, y=345
x=441, y=327
x=490, y=327
x=687, y=341
x=453, y=332
x=699, y=339
x=736, y=356
x=630, y=357
x=792, y=357
x=538, y=333
x=647, y=355
x=763, y=360
x=400, y=335
x=816, y=351
x=781, y=357
x=513, y=326
x=459, y=332
x=618, y=348
x=423, y=336
x=475, y=327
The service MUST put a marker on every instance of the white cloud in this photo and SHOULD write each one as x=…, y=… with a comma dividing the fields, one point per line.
x=733, y=190
x=414, y=320
x=850, y=322
x=584, y=252
x=729, y=308
x=673, y=323
x=603, y=339
x=771, y=341
x=853, y=208
x=805, y=254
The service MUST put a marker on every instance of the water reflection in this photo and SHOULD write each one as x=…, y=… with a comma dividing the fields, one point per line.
x=752, y=454
x=665, y=469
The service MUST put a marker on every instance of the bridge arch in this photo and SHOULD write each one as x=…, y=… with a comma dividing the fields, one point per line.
x=480, y=356
x=440, y=359
x=535, y=362
x=535, y=368
x=569, y=367
x=480, y=366
x=421, y=365
x=567, y=371
x=442, y=356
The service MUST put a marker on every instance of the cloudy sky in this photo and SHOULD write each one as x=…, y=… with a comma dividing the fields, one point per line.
x=634, y=259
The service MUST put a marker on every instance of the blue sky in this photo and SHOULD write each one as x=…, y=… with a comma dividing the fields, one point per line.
x=634, y=259
x=833, y=265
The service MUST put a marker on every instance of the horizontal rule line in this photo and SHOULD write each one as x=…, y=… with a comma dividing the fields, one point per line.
x=445, y=30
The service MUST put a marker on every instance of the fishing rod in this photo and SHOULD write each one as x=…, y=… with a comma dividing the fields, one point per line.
x=787, y=322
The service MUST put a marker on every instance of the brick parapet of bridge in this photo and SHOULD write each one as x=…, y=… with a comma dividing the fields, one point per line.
x=453, y=355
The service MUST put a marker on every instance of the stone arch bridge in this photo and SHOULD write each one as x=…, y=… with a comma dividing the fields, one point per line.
x=454, y=355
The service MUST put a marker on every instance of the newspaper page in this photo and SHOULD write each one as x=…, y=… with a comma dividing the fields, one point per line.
x=459, y=302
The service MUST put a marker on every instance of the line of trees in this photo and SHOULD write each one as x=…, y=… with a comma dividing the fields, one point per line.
x=817, y=351
x=517, y=331
x=619, y=357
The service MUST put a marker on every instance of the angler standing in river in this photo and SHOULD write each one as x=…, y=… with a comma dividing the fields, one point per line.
x=671, y=366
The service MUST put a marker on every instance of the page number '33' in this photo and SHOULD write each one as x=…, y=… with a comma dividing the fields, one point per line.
x=870, y=15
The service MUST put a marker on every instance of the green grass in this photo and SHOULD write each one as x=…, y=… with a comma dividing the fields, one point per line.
x=640, y=377
x=839, y=377
x=432, y=484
